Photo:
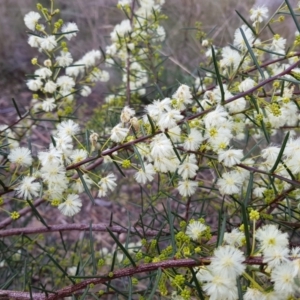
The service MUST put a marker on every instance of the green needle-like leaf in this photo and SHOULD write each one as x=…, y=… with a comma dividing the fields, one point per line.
x=252, y=54
x=124, y=250
x=280, y=152
x=219, y=80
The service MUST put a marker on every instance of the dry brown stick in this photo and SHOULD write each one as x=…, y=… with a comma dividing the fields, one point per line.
x=79, y=227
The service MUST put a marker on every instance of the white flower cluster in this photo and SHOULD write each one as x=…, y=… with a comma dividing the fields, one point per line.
x=52, y=86
x=129, y=36
x=216, y=130
x=220, y=277
x=52, y=181
x=228, y=263
x=177, y=147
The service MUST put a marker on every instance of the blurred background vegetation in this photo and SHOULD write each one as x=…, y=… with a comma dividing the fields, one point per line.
x=96, y=19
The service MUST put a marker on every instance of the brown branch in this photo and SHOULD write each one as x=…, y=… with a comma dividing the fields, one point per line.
x=274, y=204
x=87, y=160
x=8, y=295
x=255, y=170
x=273, y=61
x=130, y=271
x=69, y=227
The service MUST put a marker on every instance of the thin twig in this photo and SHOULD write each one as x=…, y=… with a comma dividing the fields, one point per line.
x=16, y=122
x=79, y=227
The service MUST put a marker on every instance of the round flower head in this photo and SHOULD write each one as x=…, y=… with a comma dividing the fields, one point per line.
x=119, y=133
x=31, y=19
x=239, y=41
x=43, y=73
x=66, y=83
x=216, y=117
x=85, y=91
x=216, y=285
x=120, y=30
x=71, y=206
x=68, y=128
x=65, y=59
x=144, y=175
x=230, y=58
x=126, y=114
x=193, y=140
x=48, y=104
x=91, y=57
x=270, y=237
x=50, y=87
x=278, y=44
x=48, y=43
x=69, y=29
x=183, y=96
x=78, y=185
x=28, y=189
x=258, y=14
x=51, y=156
x=228, y=261
x=188, y=167
x=246, y=85
x=169, y=119
x=108, y=182
x=194, y=230
x=230, y=183
x=284, y=279
x=34, y=84
x=78, y=155
x=20, y=156
x=187, y=187
x=275, y=256
x=230, y=157
x=161, y=146
x=34, y=41
x=234, y=238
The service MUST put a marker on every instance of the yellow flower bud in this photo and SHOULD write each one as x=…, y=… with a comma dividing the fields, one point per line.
x=34, y=61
